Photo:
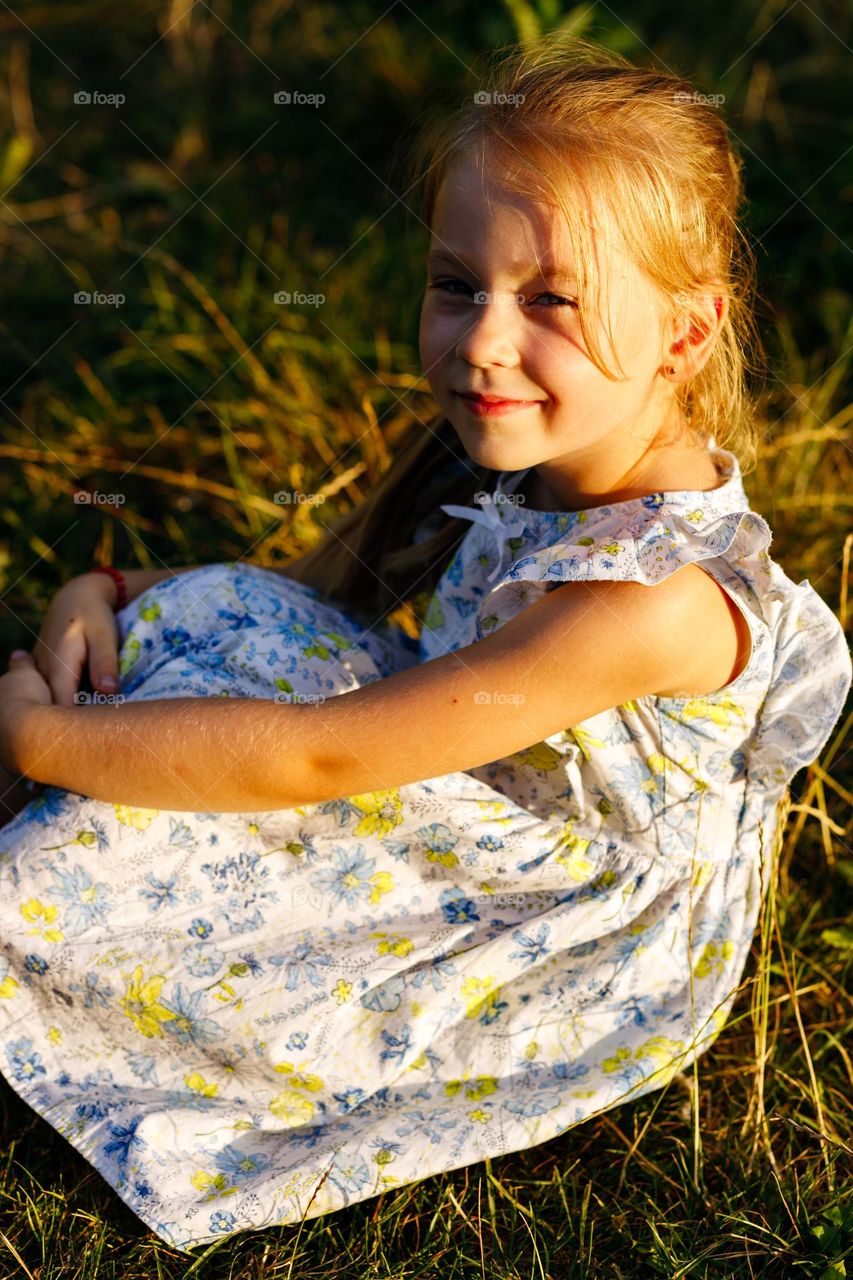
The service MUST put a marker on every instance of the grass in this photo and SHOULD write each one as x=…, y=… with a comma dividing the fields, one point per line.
x=199, y=398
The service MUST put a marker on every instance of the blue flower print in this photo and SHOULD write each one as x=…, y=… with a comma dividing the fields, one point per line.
x=301, y=963
x=244, y=880
x=350, y=1098
x=535, y=1105
x=97, y=992
x=201, y=961
x=437, y=837
x=348, y=880
x=188, y=1025
x=35, y=964
x=24, y=1061
x=142, y=1065
x=433, y=1124
x=200, y=928
x=397, y=1047
x=49, y=806
x=160, y=894
x=236, y=1164
x=88, y=902
x=532, y=948
x=297, y=1040
x=457, y=908
x=350, y=1173
x=222, y=1222
x=123, y=1137
x=490, y=842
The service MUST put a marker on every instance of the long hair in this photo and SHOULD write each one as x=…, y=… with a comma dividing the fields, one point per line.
x=569, y=124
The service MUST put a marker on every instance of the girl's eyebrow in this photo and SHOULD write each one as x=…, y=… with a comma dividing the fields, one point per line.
x=545, y=269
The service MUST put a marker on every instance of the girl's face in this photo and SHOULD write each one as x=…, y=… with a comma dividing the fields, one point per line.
x=499, y=318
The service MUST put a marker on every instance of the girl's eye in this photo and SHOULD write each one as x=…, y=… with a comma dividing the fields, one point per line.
x=447, y=285
x=565, y=302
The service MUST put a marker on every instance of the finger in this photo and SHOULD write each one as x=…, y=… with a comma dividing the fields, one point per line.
x=21, y=658
x=64, y=681
x=103, y=663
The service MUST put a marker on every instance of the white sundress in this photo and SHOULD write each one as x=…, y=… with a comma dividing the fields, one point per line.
x=244, y=1019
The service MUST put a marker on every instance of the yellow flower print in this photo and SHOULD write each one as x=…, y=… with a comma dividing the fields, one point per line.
x=585, y=740
x=577, y=866
x=482, y=996
x=197, y=1083
x=704, y=871
x=479, y=1114
x=140, y=819
x=613, y=1064
x=304, y=1080
x=284, y=1068
x=215, y=1184
x=150, y=611
x=541, y=756
x=491, y=808
x=481, y=1087
x=130, y=653
x=8, y=985
x=87, y=838
x=383, y=1156
x=660, y=1048
x=54, y=1035
x=383, y=882
x=695, y=517
x=40, y=915
x=342, y=991
x=713, y=958
x=720, y=713
x=383, y=811
x=572, y=858
x=446, y=859
x=396, y=944
x=531, y=1051
x=140, y=1004
x=292, y=1108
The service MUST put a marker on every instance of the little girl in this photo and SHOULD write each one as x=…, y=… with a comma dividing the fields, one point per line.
x=314, y=909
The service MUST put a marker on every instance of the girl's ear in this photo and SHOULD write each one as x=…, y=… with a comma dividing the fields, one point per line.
x=693, y=342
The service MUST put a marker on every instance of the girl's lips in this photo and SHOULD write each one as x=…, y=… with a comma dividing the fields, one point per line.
x=493, y=408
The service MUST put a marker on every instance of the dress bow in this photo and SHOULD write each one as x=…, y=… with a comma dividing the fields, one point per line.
x=501, y=518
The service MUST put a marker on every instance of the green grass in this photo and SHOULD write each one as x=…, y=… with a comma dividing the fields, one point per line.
x=200, y=398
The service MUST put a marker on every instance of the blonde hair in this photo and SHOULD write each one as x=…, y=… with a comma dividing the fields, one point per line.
x=579, y=128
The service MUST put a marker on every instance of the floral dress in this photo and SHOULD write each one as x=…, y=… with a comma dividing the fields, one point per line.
x=243, y=1019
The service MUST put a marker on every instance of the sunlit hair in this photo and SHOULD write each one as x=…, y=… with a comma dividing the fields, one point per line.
x=609, y=146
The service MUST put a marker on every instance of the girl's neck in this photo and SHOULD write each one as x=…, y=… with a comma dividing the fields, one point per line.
x=690, y=466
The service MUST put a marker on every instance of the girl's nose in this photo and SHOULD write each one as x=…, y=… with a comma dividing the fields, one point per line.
x=489, y=329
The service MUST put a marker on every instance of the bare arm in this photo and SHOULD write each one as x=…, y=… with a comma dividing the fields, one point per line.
x=581, y=649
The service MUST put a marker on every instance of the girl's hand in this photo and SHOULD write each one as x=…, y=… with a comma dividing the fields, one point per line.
x=21, y=687
x=79, y=627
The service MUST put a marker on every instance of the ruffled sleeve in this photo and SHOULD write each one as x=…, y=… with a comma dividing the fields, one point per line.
x=799, y=666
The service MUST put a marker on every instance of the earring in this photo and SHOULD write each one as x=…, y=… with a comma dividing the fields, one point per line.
x=670, y=368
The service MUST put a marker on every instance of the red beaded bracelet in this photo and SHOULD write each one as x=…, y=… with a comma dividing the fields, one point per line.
x=118, y=579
